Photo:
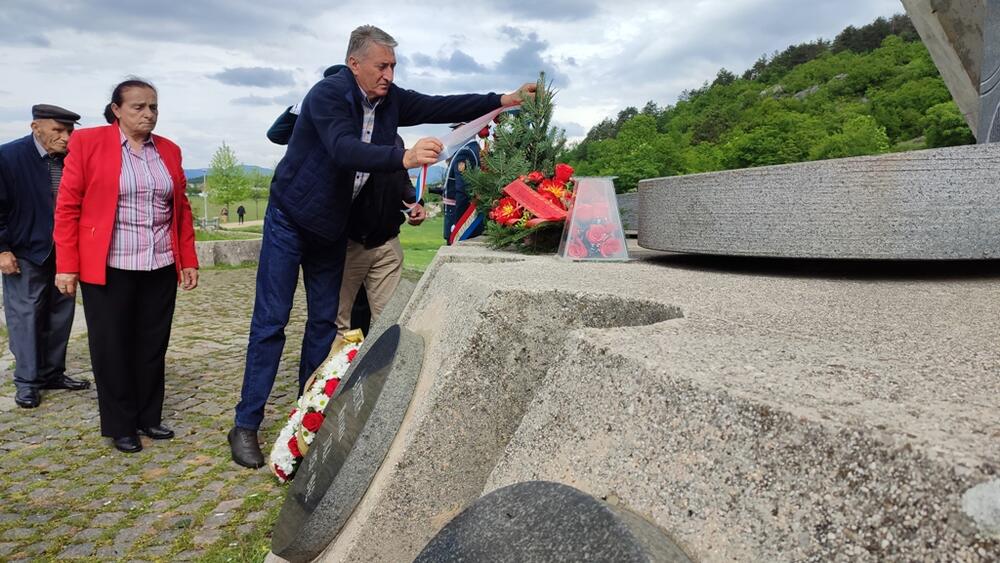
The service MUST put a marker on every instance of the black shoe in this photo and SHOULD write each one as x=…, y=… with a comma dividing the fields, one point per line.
x=244, y=447
x=67, y=382
x=157, y=432
x=27, y=397
x=128, y=444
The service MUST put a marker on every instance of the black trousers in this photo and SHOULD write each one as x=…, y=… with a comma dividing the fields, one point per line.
x=128, y=327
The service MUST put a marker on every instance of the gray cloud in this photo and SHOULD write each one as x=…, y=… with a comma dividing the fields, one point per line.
x=15, y=37
x=518, y=64
x=458, y=62
x=572, y=129
x=550, y=10
x=211, y=21
x=527, y=58
x=261, y=77
x=291, y=98
x=421, y=59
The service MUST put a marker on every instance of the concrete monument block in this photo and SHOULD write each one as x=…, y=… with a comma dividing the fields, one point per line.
x=989, y=88
x=755, y=410
x=940, y=204
x=963, y=37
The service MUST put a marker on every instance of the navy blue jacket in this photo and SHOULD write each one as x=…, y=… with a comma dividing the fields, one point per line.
x=314, y=182
x=26, y=205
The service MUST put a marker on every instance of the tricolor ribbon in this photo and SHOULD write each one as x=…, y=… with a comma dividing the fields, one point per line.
x=466, y=224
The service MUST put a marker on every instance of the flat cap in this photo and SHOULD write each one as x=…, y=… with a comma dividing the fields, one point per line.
x=49, y=111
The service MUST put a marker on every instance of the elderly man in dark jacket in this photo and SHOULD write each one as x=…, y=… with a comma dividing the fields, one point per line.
x=39, y=318
x=345, y=131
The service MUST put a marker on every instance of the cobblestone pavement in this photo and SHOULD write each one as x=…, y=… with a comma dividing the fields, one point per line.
x=66, y=493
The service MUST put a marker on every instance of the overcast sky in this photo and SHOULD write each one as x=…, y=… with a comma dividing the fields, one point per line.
x=226, y=68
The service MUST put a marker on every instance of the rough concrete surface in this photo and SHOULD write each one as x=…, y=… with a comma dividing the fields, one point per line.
x=940, y=204
x=756, y=410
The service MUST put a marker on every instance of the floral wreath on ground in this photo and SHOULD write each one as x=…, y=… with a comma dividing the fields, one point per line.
x=307, y=416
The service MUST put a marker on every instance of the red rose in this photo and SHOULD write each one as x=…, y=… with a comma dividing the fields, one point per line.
x=596, y=234
x=507, y=212
x=611, y=247
x=484, y=132
x=312, y=421
x=535, y=177
x=281, y=474
x=563, y=172
x=351, y=354
x=576, y=249
x=293, y=446
x=331, y=386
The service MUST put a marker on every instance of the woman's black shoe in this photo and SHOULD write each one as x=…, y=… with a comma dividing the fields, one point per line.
x=128, y=444
x=158, y=432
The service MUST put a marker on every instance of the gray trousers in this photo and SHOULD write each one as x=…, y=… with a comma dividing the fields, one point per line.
x=39, y=319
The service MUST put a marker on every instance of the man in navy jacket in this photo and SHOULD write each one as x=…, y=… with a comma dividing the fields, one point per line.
x=39, y=318
x=344, y=132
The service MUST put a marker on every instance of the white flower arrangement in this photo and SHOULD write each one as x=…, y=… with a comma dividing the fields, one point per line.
x=308, y=415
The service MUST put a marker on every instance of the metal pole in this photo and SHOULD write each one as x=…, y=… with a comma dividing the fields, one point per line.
x=204, y=196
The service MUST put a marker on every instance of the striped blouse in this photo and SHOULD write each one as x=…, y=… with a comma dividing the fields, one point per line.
x=141, y=239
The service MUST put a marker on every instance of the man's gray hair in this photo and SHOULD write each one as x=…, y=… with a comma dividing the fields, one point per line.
x=363, y=37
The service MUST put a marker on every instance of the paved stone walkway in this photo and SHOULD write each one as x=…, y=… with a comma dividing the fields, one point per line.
x=65, y=493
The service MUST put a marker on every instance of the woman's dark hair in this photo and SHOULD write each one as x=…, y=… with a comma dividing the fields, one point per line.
x=116, y=95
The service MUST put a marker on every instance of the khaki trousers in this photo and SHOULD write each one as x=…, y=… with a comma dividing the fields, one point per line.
x=378, y=269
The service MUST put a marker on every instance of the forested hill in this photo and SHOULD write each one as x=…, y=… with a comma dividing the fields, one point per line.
x=872, y=90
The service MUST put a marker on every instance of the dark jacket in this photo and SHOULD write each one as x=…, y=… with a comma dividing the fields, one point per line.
x=26, y=205
x=376, y=213
x=314, y=182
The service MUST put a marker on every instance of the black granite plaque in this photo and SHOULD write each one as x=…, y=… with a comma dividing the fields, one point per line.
x=361, y=420
x=539, y=521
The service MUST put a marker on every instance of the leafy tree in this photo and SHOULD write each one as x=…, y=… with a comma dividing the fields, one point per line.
x=227, y=181
x=860, y=136
x=260, y=188
x=724, y=78
x=946, y=126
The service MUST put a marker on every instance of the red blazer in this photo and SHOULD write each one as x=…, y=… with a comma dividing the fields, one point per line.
x=88, y=204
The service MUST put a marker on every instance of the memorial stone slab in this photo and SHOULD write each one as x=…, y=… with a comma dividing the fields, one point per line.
x=362, y=419
x=939, y=204
x=540, y=521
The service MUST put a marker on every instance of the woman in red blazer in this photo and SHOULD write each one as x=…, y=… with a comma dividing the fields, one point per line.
x=124, y=231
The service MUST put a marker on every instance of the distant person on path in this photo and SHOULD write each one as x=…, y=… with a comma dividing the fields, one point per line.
x=345, y=131
x=125, y=232
x=39, y=318
x=240, y=212
x=224, y=214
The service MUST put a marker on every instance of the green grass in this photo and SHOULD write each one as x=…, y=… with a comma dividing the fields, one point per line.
x=420, y=244
x=201, y=235
x=254, y=210
x=259, y=229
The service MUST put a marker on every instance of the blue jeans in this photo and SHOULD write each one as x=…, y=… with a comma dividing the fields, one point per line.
x=286, y=247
